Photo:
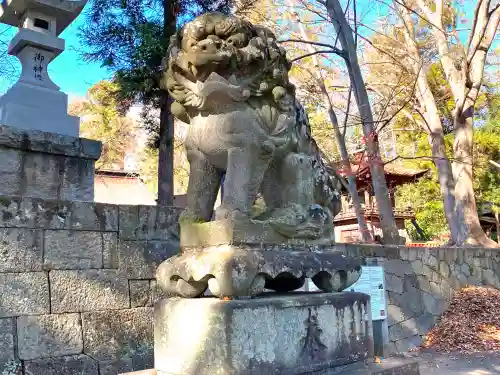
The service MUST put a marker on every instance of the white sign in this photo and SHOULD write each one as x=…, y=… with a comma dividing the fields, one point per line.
x=371, y=282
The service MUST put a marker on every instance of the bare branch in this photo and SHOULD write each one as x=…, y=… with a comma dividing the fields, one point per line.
x=346, y=117
x=495, y=164
x=333, y=49
x=340, y=53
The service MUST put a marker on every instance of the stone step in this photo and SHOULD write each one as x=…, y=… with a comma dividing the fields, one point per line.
x=389, y=366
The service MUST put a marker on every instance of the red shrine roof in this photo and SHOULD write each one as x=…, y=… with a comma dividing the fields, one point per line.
x=395, y=173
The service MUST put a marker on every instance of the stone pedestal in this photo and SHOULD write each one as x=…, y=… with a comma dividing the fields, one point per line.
x=242, y=258
x=46, y=165
x=287, y=334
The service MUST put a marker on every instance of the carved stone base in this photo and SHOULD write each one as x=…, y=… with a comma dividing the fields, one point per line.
x=240, y=230
x=246, y=270
x=293, y=334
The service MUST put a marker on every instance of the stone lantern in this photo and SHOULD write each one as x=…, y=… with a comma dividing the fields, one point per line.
x=41, y=154
x=35, y=102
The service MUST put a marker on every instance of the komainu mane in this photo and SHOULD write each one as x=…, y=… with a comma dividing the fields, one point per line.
x=229, y=80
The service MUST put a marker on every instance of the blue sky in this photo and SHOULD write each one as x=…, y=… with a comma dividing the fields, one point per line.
x=68, y=70
x=76, y=76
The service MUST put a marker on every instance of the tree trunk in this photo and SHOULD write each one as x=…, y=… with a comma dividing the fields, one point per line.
x=464, y=70
x=166, y=147
x=351, y=179
x=497, y=222
x=432, y=125
x=435, y=134
x=463, y=173
x=166, y=154
x=344, y=32
x=447, y=188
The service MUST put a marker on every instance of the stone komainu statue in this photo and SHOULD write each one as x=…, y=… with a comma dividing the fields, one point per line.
x=229, y=80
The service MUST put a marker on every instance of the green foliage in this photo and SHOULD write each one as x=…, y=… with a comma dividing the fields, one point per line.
x=149, y=168
x=424, y=196
x=323, y=133
x=130, y=38
x=486, y=176
x=442, y=94
x=102, y=121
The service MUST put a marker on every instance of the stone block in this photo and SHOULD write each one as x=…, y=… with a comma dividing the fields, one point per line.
x=435, y=289
x=414, y=254
x=410, y=281
x=489, y=278
x=10, y=173
x=134, y=365
x=404, y=254
x=7, y=340
x=111, y=335
x=397, y=267
x=157, y=293
x=149, y=222
x=143, y=372
x=415, y=326
x=417, y=267
x=444, y=269
x=408, y=344
x=110, y=250
x=139, y=259
x=403, y=330
x=73, y=250
x=140, y=293
x=394, y=315
x=451, y=255
x=68, y=365
x=46, y=176
x=425, y=323
x=430, y=260
x=57, y=214
x=473, y=280
x=49, y=143
x=434, y=305
x=46, y=336
x=46, y=165
x=423, y=284
x=88, y=290
x=459, y=282
x=20, y=250
x=24, y=294
x=441, y=253
x=486, y=263
x=446, y=290
x=432, y=275
x=292, y=334
x=115, y=367
x=410, y=302
x=393, y=283
x=11, y=367
x=388, y=366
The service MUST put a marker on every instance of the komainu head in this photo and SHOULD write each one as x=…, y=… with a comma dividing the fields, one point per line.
x=221, y=47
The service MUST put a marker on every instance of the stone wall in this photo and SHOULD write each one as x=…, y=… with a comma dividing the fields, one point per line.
x=46, y=165
x=420, y=283
x=77, y=285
